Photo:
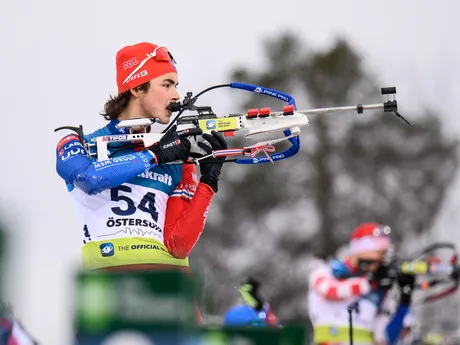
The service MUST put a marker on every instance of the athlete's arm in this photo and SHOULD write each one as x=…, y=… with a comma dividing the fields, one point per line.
x=406, y=283
x=74, y=166
x=396, y=324
x=386, y=309
x=186, y=213
x=323, y=282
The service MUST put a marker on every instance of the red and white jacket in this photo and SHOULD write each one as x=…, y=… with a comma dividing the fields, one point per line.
x=329, y=299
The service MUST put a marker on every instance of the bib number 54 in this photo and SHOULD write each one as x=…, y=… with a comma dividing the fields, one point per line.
x=147, y=203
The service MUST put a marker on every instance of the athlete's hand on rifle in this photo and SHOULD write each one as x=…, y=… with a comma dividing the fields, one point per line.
x=406, y=283
x=383, y=277
x=211, y=167
x=173, y=146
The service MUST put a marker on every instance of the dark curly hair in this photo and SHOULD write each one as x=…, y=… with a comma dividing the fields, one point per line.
x=116, y=105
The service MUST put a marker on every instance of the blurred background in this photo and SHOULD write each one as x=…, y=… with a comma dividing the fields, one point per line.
x=57, y=64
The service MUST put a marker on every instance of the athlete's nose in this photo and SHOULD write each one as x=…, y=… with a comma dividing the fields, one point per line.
x=176, y=96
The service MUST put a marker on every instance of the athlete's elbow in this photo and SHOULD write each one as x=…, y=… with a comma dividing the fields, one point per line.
x=329, y=294
x=89, y=190
x=91, y=185
x=180, y=254
x=177, y=247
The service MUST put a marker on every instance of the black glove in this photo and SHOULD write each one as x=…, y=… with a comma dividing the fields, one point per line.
x=406, y=283
x=384, y=277
x=173, y=146
x=210, y=168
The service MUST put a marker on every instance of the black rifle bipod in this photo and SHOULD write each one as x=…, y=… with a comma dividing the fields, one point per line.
x=391, y=105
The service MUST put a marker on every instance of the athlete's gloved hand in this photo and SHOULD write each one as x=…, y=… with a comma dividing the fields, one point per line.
x=173, y=146
x=406, y=283
x=211, y=168
x=383, y=277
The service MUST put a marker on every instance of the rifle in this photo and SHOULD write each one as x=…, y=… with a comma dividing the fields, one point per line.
x=136, y=132
x=433, y=271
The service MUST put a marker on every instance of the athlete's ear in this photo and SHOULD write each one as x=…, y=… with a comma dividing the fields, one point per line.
x=134, y=93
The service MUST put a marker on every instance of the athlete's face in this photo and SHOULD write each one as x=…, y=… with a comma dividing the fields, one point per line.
x=374, y=258
x=154, y=102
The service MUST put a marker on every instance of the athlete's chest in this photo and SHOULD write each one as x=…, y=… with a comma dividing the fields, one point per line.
x=163, y=178
x=159, y=178
x=144, y=196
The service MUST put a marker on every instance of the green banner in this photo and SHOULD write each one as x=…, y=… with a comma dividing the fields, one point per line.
x=107, y=301
x=161, y=335
x=156, y=308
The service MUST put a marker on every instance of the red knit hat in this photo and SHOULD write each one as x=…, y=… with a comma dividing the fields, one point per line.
x=140, y=63
x=369, y=237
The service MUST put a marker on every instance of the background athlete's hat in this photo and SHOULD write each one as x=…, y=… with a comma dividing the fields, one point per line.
x=140, y=63
x=370, y=237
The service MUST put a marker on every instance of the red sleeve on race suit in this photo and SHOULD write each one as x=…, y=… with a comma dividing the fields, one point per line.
x=186, y=213
x=324, y=283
